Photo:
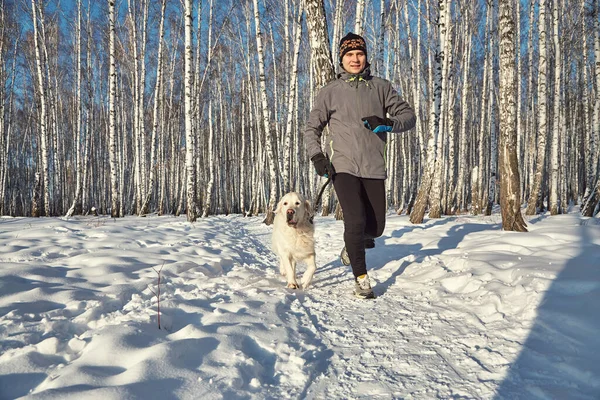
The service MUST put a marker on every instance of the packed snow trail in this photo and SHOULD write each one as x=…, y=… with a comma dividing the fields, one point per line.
x=388, y=347
x=464, y=310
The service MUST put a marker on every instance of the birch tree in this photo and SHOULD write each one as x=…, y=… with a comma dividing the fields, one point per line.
x=6, y=102
x=321, y=59
x=3, y=152
x=418, y=212
x=542, y=113
x=337, y=25
x=48, y=41
x=593, y=198
x=519, y=85
x=4, y=137
x=359, y=20
x=510, y=189
x=42, y=84
x=211, y=162
x=155, y=111
x=76, y=207
x=266, y=118
x=478, y=197
x=112, y=113
x=492, y=190
x=291, y=101
x=464, y=122
x=529, y=145
x=381, y=38
x=190, y=138
x=435, y=195
x=556, y=124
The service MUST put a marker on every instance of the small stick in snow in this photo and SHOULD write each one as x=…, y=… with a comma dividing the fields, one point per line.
x=157, y=292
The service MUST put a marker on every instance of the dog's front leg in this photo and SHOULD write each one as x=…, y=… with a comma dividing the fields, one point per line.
x=282, y=266
x=290, y=273
x=311, y=268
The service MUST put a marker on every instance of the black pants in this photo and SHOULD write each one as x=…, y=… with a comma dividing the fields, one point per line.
x=363, y=203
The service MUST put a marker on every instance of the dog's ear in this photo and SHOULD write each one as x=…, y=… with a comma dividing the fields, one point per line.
x=308, y=207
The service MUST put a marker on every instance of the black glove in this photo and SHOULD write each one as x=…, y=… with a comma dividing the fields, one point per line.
x=377, y=124
x=323, y=165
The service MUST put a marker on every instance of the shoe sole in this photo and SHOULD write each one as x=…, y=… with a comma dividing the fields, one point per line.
x=369, y=296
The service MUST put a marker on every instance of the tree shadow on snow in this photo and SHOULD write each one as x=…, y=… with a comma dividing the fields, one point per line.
x=456, y=234
x=560, y=358
x=390, y=250
x=16, y=385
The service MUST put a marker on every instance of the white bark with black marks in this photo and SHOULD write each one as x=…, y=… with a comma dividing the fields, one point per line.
x=190, y=137
x=510, y=196
x=266, y=120
x=418, y=212
x=535, y=194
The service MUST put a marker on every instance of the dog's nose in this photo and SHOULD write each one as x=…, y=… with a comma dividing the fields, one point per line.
x=290, y=214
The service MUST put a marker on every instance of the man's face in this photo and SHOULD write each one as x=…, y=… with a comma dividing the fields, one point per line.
x=354, y=61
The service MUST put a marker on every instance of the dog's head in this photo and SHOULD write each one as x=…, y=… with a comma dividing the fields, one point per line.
x=294, y=208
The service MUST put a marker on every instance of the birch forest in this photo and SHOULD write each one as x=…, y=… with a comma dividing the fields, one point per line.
x=197, y=107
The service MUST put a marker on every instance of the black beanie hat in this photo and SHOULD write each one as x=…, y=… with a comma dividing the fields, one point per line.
x=351, y=42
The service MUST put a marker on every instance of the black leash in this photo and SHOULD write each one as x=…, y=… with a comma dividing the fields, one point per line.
x=316, y=205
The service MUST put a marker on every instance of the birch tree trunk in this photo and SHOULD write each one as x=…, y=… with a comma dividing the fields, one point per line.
x=322, y=66
x=418, y=212
x=76, y=206
x=527, y=147
x=321, y=61
x=337, y=25
x=415, y=81
x=591, y=202
x=567, y=139
x=137, y=133
x=3, y=78
x=112, y=114
x=42, y=84
x=266, y=118
x=443, y=141
x=359, y=20
x=464, y=122
x=519, y=86
x=190, y=137
x=556, y=125
x=510, y=189
x=381, y=39
x=208, y=195
x=155, y=122
x=5, y=124
x=243, y=153
x=542, y=113
x=449, y=194
x=478, y=180
x=417, y=96
x=585, y=146
x=492, y=190
x=287, y=150
x=530, y=134
x=54, y=147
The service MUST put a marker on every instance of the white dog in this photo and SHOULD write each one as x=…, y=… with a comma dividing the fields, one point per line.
x=293, y=238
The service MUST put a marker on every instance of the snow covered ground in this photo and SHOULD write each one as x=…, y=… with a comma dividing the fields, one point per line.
x=464, y=311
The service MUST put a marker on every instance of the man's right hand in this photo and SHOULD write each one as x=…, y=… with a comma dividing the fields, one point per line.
x=323, y=165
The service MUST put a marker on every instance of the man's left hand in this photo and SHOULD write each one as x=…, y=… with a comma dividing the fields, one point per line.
x=378, y=124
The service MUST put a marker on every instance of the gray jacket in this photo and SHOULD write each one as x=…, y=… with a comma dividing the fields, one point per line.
x=342, y=103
